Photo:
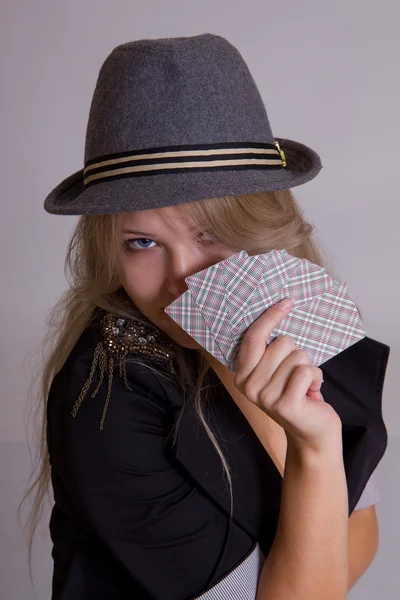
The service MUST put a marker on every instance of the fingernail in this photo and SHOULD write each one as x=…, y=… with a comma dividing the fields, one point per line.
x=284, y=304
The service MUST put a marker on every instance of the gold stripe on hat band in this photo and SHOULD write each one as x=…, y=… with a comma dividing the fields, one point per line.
x=189, y=165
x=173, y=160
x=154, y=155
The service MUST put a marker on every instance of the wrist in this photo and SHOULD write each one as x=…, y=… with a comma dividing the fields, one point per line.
x=313, y=453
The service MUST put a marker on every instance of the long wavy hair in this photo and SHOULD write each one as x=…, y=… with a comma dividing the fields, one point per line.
x=257, y=223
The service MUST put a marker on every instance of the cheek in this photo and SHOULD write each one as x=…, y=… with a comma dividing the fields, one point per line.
x=140, y=282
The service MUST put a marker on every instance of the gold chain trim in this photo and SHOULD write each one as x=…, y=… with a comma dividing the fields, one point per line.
x=119, y=337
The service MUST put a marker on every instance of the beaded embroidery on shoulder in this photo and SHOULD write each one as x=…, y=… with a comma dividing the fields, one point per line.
x=120, y=336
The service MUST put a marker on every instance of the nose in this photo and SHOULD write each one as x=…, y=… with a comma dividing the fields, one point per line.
x=182, y=262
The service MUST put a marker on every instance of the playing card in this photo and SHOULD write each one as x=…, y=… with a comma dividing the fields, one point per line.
x=225, y=299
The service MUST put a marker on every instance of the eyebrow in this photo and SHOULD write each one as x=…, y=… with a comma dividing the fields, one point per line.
x=190, y=229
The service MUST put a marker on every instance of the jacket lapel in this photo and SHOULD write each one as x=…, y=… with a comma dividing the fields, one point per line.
x=256, y=481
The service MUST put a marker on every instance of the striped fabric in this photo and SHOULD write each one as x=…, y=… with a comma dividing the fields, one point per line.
x=185, y=158
x=241, y=582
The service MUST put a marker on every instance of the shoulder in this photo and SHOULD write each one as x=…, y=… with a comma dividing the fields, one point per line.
x=116, y=362
x=125, y=478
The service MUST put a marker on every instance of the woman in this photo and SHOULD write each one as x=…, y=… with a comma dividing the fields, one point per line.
x=173, y=477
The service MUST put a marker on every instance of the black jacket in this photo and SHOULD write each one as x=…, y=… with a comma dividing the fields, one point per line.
x=135, y=517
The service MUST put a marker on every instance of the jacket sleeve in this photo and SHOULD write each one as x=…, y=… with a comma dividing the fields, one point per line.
x=164, y=531
x=353, y=385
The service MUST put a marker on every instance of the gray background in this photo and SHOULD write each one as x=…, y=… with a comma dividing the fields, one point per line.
x=328, y=72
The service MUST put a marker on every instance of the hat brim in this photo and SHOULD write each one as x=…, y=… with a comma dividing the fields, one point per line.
x=71, y=197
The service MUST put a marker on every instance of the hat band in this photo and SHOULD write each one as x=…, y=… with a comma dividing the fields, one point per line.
x=181, y=159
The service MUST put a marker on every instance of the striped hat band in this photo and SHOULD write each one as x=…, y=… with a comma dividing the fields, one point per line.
x=184, y=158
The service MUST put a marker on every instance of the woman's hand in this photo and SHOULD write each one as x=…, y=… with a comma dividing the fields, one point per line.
x=282, y=381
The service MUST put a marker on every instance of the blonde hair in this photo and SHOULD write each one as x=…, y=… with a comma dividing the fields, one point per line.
x=257, y=223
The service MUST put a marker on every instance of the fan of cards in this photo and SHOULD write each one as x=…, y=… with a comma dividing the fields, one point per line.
x=225, y=299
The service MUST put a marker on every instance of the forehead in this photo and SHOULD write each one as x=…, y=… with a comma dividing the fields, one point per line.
x=170, y=216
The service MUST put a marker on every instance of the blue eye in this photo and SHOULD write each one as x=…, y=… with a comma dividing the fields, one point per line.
x=128, y=244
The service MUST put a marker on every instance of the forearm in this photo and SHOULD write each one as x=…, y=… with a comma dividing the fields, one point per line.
x=308, y=559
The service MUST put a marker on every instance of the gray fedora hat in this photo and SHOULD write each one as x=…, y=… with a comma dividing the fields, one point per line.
x=175, y=120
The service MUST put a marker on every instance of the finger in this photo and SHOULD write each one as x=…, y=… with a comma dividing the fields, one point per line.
x=316, y=396
x=276, y=363
x=253, y=344
x=283, y=408
x=314, y=392
x=315, y=386
x=278, y=384
x=304, y=377
x=286, y=369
